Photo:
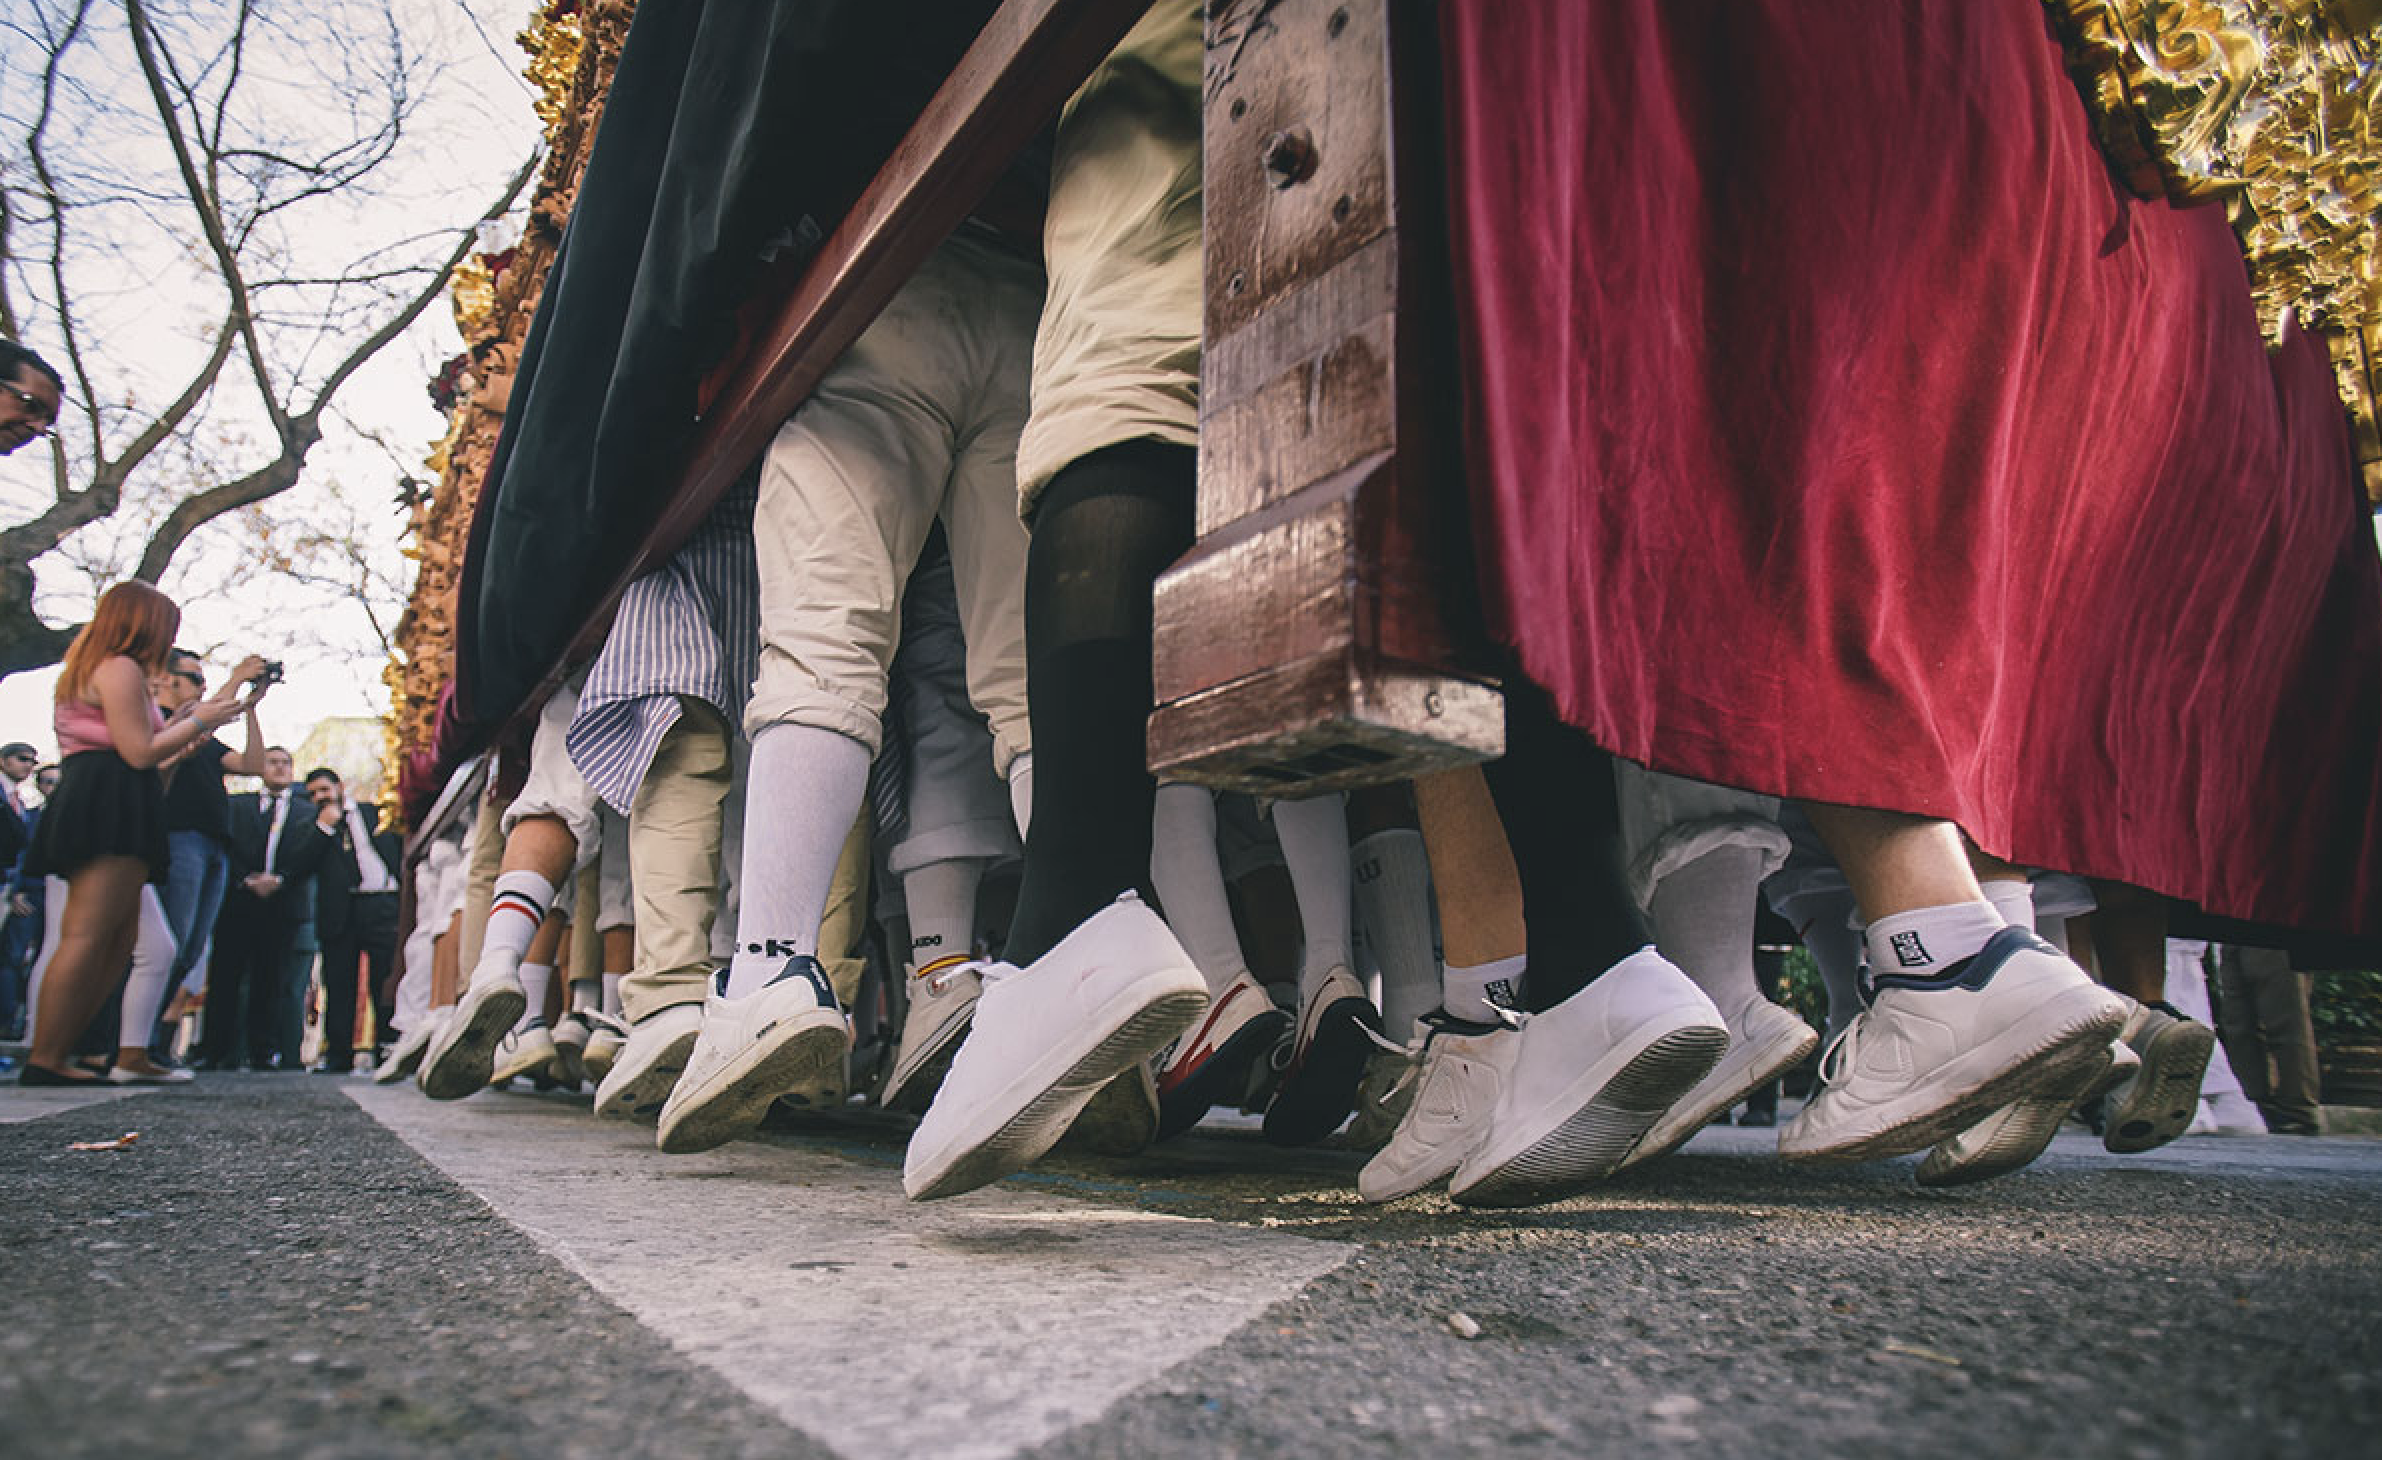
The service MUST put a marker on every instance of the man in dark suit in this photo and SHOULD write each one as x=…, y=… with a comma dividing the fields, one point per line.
x=355, y=916
x=274, y=852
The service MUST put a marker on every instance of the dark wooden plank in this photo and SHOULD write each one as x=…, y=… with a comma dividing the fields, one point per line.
x=1030, y=58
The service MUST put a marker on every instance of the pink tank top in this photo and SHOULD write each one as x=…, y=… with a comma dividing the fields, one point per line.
x=82, y=727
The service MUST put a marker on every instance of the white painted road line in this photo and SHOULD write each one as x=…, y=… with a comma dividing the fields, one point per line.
x=968, y=1328
x=20, y=1104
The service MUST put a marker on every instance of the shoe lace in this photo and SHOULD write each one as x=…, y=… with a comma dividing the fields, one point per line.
x=943, y=972
x=1431, y=1026
x=988, y=971
x=1841, y=1050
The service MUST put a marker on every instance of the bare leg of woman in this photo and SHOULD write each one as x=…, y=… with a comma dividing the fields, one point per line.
x=94, y=939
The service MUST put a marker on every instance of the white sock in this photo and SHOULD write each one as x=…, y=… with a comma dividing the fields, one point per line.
x=518, y=907
x=586, y=993
x=1189, y=880
x=1314, y=835
x=801, y=794
x=1478, y=992
x=1836, y=948
x=1925, y=940
x=1021, y=791
x=1392, y=877
x=536, y=979
x=2014, y=900
x=612, y=993
x=152, y=970
x=1703, y=921
x=941, y=898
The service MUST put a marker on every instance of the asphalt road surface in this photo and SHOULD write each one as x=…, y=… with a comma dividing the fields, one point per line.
x=302, y=1266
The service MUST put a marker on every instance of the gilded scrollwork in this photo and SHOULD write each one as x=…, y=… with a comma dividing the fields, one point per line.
x=2274, y=107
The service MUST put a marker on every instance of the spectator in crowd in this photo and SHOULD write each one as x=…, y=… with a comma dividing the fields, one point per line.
x=198, y=825
x=2262, y=1013
x=355, y=915
x=20, y=918
x=30, y=390
x=267, y=899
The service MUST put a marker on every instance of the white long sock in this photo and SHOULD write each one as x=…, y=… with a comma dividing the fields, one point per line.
x=2014, y=899
x=941, y=898
x=1314, y=835
x=518, y=906
x=536, y=979
x=2187, y=991
x=1703, y=921
x=612, y=993
x=1479, y=991
x=152, y=970
x=586, y=994
x=1392, y=876
x=53, y=920
x=800, y=797
x=1925, y=940
x=1021, y=791
x=1189, y=880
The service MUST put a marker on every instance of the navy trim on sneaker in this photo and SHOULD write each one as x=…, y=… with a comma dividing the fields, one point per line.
x=1972, y=973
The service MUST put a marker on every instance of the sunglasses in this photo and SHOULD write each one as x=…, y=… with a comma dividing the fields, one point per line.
x=44, y=417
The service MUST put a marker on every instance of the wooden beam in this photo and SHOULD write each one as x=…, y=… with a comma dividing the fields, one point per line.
x=1029, y=58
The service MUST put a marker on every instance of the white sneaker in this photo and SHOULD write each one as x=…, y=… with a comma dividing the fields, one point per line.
x=1210, y=1064
x=1045, y=1039
x=1590, y=1077
x=2153, y=1108
x=1927, y=1060
x=1383, y=1097
x=1456, y=1070
x=2013, y=1136
x=2204, y=1121
x=782, y=1037
x=527, y=1051
x=1765, y=1041
x=2235, y=1115
x=1338, y=1031
x=405, y=1056
x=463, y=1052
x=942, y=1000
x=650, y=1062
x=570, y=1049
x=605, y=1036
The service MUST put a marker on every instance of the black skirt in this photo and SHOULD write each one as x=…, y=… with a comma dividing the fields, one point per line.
x=102, y=808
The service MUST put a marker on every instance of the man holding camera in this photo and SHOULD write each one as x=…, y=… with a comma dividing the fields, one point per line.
x=355, y=916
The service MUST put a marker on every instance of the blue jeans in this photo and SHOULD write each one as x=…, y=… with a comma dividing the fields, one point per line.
x=197, y=872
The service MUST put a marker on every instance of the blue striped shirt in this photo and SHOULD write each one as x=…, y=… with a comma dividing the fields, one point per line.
x=691, y=627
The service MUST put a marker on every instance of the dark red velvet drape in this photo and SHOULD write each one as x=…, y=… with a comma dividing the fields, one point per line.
x=1841, y=429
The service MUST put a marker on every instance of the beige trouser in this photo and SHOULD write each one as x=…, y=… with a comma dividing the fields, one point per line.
x=485, y=856
x=918, y=421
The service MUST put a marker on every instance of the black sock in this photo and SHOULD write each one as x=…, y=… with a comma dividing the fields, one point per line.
x=1106, y=527
x=1554, y=792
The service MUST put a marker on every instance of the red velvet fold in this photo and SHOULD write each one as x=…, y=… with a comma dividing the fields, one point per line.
x=1840, y=429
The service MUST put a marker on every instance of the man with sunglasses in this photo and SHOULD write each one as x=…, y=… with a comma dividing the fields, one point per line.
x=30, y=390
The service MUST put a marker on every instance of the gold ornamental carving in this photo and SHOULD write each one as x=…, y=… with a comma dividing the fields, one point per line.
x=2273, y=107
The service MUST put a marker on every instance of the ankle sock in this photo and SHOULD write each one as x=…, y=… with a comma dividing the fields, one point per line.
x=515, y=911
x=1925, y=940
x=1477, y=993
x=1188, y=877
x=1703, y=921
x=2014, y=899
x=1314, y=835
x=941, y=899
x=1392, y=888
x=536, y=979
x=801, y=794
x=586, y=994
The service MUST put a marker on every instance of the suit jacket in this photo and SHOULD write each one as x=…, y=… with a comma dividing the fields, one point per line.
x=300, y=850
x=336, y=876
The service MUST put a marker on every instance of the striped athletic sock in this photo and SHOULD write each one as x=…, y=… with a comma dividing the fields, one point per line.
x=513, y=916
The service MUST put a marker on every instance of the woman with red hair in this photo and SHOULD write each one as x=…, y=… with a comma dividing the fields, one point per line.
x=103, y=831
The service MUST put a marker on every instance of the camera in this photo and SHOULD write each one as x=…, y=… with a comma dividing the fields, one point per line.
x=271, y=674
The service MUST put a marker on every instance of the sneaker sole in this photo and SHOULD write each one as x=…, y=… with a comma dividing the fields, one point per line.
x=597, y=1061
x=460, y=1060
x=1700, y=1107
x=732, y=1102
x=1584, y=1147
x=1042, y=1117
x=643, y=1094
x=393, y=1070
x=1121, y=1120
x=913, y=1084
x=531, y=1061
x=1221, y=1077
x=570, y=1064
x=1320, y=1093
x=2051, y=1063
x=2165, y=1094
x=2023, y=1133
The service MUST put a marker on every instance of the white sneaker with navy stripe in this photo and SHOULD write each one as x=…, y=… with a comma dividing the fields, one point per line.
x=787, y=1035
x=1932, y=1056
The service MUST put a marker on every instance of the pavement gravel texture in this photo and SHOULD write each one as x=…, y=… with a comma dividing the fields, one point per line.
x=269, y=1272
